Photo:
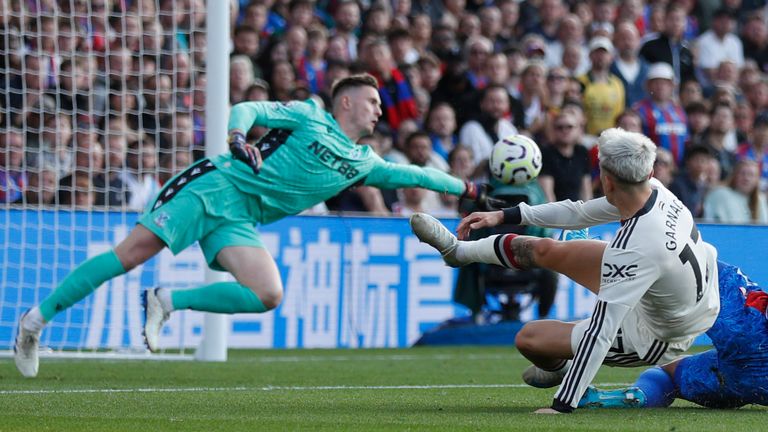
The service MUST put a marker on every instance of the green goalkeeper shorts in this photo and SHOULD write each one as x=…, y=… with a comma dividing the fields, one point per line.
x=200, y=204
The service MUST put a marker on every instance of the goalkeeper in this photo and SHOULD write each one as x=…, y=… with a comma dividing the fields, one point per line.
x=308, y=156
x=733, y=374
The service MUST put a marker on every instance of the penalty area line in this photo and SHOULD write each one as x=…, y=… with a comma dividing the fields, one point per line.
x=275, y=388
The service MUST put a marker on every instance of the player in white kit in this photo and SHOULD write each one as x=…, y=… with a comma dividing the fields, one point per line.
x=656, y=281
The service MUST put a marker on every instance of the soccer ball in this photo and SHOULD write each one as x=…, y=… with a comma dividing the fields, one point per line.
x=515, y=159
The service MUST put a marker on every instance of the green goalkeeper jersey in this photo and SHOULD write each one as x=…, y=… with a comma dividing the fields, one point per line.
x=308, y=159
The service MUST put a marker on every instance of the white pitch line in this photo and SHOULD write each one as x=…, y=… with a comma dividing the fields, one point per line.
x=277, y=388
x=374, y=357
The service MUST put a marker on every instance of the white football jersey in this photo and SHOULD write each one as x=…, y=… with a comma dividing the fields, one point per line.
x=657, y=263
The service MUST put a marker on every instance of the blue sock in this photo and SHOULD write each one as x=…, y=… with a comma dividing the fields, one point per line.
x=658, y=387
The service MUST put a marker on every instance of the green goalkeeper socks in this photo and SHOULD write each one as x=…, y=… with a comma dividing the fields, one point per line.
x=220, y=297
x=82, y=281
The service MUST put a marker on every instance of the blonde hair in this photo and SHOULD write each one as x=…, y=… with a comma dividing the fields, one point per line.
x=627, y=156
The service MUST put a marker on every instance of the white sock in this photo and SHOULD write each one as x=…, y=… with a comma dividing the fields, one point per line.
x=478, y=251
x=164, y=295
x=33, y=321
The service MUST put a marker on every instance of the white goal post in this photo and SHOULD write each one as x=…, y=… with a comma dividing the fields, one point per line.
x=102, y=102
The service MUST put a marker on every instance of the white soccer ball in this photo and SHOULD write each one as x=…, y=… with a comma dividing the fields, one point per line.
x=515, y=159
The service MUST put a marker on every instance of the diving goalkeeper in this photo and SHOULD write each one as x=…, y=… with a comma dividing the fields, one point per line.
x=308, y=156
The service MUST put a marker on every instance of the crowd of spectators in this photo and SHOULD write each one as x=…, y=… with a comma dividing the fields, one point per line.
x=103, y=100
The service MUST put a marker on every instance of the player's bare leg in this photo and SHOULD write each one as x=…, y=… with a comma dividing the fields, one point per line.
x=580, y=260
x=547, y=343
x=140, y=245
x=258, y=289
x=256, y=269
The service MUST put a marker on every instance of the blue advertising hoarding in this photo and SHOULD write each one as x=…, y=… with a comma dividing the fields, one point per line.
x=349, y=281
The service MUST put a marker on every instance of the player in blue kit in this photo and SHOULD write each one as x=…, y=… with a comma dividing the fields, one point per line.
x=308, y=156
x=733, y=374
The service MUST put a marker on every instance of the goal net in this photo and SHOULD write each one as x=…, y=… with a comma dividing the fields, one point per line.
x=102, y=102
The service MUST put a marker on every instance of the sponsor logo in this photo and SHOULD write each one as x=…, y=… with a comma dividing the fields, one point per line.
x=329, y=159
x=618, y=272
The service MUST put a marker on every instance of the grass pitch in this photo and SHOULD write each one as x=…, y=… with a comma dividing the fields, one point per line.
x=438, y=389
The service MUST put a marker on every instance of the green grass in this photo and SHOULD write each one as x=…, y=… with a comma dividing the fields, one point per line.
x=322, y=390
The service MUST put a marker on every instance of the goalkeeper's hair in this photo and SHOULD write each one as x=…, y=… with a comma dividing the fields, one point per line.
x=353, y=81
x=627, y=156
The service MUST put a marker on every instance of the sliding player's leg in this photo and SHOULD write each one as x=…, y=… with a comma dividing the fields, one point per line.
x=580, y=260
x=140, y=245
x=548, y=345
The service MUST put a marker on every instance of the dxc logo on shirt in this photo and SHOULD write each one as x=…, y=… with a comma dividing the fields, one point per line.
x=614, y=272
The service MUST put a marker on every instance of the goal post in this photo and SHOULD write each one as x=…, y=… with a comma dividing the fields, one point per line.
x=213, y=346
x=102, y=104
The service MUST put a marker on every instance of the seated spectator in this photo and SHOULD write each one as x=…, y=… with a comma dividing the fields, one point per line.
x=573, y=60
x=691, y=184
x=740, y=201
x=570, y=30
x=461, y=162
x=246, y=41
x=691, y=93
x=664, y=167
x=410, y=201
x=141, y=176
x=603, y=91
x=744, y=117
x=172, y=163
x=489, y=125
x=756, y=149
x=77, y=191
x=630, y=120
x=697, y=114
x=397, y=153
x=557, y=81
x=241, y=76
x=418, y=150
x=669, y=47
x=258, y=91
x=312, y=67
x=112, y=188
x=88, y=165
x=565, y=171
x=13, y=179
x=754, y=38
x=664, y=121
x=430, y=71
x=441, y=124
x=721, y=138
x=533, y=92
x=756, y=93
x=397, y=100
x=282, y=82
x=42, y=185
x=719, y=44
x=628, y=66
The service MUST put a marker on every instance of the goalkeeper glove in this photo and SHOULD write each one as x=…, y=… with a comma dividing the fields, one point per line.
x=479, y=194
x=243, y=151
